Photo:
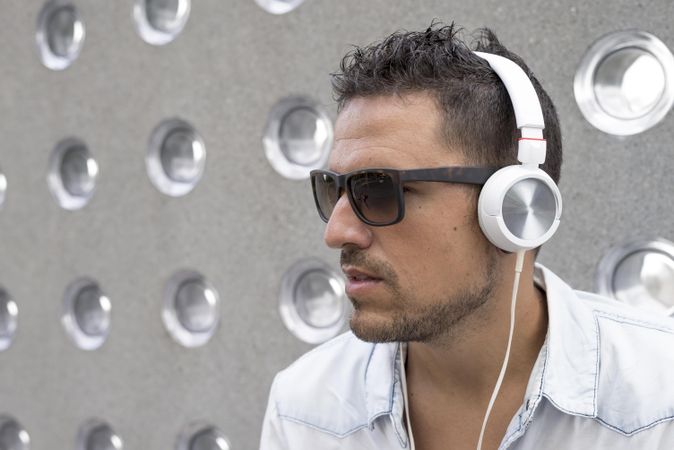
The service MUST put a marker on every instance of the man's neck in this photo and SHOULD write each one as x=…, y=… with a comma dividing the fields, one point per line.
x=469, y=360
x=454, y=376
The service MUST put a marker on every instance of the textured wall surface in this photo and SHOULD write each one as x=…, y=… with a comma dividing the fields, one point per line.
x=244, y=224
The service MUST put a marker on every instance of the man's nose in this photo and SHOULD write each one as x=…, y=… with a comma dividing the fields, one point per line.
x=345, y=228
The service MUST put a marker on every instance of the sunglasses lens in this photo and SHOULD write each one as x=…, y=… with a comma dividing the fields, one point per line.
x=375, y=195
x=325, y=193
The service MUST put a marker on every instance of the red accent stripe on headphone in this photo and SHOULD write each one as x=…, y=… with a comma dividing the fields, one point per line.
x=530, y=139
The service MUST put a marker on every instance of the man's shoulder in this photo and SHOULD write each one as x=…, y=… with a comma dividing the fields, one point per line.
x=607, y=360
x=329, y=388
x=635, y=364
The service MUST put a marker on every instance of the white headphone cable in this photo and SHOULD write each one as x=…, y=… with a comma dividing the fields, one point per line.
x=403, y=380
x=513, y=304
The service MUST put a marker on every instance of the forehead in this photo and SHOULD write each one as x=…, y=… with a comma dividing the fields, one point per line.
x=391, y=131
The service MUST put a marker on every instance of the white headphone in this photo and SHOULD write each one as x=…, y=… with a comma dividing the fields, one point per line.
x=520, y=205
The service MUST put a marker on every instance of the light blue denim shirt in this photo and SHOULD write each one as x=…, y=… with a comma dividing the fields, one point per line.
x=604, y=379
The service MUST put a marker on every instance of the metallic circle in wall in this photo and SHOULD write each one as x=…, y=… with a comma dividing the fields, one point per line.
x=86, y=313
x=279, y=6
x=202, y=436
x=60, y=34
x=176, y=157
x=191, y=310
x=312, y=301
x=640, y=273
x=298, y=137
x=96, y=434
x=72, y=174
x=625, y=82
x=12, y=435
x=3, y=189
x=9, y=313
x=159, y=22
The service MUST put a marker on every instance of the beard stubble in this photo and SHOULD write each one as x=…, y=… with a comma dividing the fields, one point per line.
x=412, y=319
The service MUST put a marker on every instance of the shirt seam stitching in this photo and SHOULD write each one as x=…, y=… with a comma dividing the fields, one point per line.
x=322, y=429
x=631, y=321
x=608, y=425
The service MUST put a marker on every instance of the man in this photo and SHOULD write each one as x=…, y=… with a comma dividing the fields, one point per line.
x=431, y=294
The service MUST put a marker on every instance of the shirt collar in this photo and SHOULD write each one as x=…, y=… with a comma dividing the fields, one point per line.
x=383, y=387
x=570, y=354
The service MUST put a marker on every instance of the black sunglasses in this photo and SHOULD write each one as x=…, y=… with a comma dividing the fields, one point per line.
x=376, y=195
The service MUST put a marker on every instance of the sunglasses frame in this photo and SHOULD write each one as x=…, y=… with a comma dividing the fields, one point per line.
x=456, y=174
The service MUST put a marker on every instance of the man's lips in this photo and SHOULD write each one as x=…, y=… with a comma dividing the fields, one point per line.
x=358, y=281
x=356, y=274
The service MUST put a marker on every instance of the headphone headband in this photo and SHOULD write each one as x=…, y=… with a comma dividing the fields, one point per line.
x=528, y=113
x=527, y=108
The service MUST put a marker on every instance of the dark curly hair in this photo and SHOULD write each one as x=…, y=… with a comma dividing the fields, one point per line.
x=478, y=114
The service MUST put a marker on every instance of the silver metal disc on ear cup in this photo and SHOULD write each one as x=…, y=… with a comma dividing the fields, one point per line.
x=529, y=209
x=519, y=208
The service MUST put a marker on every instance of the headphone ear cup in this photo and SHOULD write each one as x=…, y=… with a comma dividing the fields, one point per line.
x=519, y=208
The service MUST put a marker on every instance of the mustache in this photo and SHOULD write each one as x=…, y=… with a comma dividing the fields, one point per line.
x=353, y=256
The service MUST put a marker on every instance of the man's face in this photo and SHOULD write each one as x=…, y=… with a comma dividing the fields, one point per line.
x=418, y=279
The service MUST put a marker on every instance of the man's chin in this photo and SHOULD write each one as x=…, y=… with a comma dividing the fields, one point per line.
x=371, y=329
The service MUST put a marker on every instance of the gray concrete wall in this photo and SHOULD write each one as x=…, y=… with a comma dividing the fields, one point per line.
x=244, y=224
